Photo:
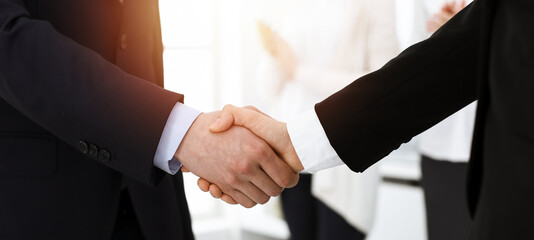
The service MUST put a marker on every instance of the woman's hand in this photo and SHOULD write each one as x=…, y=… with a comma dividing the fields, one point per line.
x=448, y=10
x=279, y=49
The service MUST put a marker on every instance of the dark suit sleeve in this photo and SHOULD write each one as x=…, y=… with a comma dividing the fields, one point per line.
x=429, y=81
x=77, y=95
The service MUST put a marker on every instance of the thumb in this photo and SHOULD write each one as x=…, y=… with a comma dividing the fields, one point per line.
x=256, y=110
x=224, y=122
x=248, y=117
x=232, y=115
x=266, y=128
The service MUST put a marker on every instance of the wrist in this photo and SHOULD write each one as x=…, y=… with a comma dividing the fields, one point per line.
x=182, y=148
x=294, y=162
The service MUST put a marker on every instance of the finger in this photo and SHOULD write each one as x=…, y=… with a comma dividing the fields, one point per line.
x=228, y=199
x=458, y=6
x=203, y=184
x=444, y=17
x=242, y=117
x=242, y=199
x=279, y=171
x=215, y=191
x=226, y=118
x=438, y=20
x=254, y=193
x=432, y=25
x=448, y=6
x=224, y=122
x=267, y=184
x=256, y=110
x=463, y=4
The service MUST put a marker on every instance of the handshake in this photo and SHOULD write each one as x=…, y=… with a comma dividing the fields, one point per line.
x=241, y=155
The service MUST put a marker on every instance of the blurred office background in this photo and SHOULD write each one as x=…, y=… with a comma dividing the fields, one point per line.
x=212, y=55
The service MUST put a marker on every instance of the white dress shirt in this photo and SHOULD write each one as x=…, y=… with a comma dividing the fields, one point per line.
x=311, y=143
x=180, y=120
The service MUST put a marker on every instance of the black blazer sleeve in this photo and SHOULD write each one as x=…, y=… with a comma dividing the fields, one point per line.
x=371, y=117
x=77, y=95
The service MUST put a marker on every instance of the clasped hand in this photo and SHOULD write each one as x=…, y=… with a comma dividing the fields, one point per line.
x=241, y=155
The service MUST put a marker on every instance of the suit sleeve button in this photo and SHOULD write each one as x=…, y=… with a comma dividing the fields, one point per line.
x=104, y=156
x=83, y=147
x=93, y=150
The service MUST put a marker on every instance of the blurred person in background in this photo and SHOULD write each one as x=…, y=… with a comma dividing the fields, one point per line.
x=323, y=46
x=445, y=150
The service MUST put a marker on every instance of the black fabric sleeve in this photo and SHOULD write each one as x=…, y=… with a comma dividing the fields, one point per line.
x=429, y=81
x=77, y=95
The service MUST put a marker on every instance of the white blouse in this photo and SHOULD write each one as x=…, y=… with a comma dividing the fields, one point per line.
x=336, y=42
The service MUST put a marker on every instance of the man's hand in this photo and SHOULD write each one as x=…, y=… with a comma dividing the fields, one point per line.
x=272, y=131
x=243, y=166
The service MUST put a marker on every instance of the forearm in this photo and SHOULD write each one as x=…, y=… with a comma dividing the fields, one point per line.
x=429, y=81
x=77, y=95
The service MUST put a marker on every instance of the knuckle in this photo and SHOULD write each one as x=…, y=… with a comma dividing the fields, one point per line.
x=232, y=180
x=285, y=181
x=227, y=107
x=245, y=169
x=250, y=107
x=295, y=180
x=242, y=167
x=255, y=149
x=235, y=164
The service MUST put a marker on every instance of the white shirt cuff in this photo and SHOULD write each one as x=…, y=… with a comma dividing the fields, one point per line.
x=311, y=143
x=177, y=125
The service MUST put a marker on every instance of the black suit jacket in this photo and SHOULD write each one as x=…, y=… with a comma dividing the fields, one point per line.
x=486, y=52
x=81, y=112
